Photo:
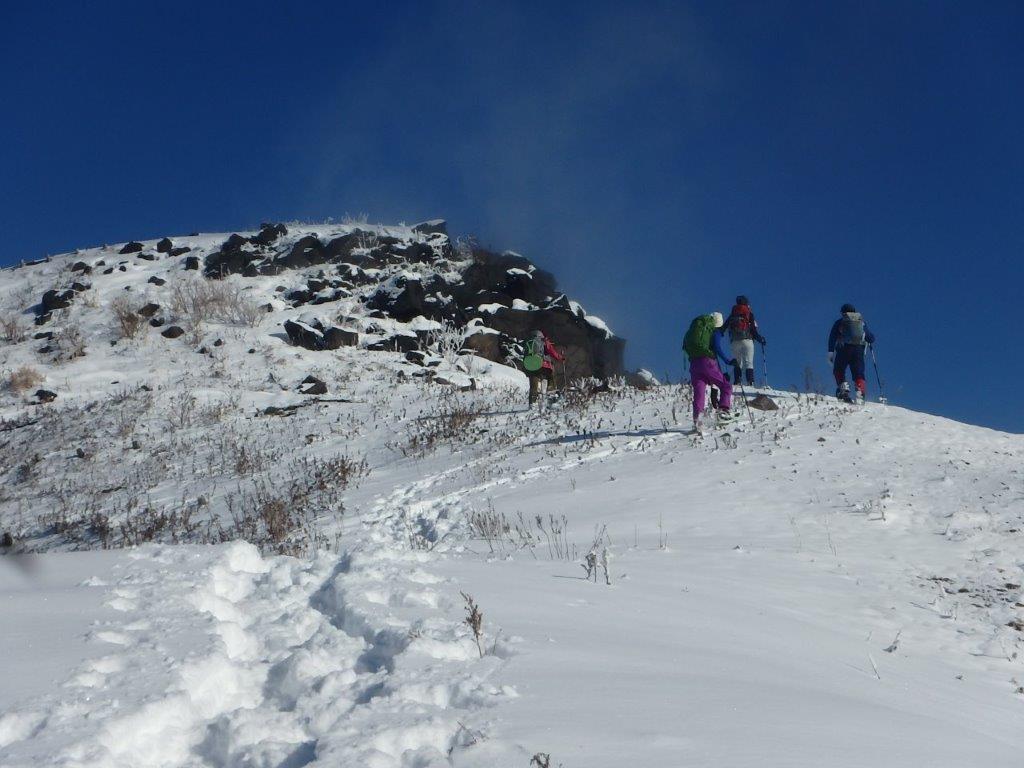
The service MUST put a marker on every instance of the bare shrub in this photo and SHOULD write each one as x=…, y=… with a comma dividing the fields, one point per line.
x=454, y=422
x=23, y=379
x=475, y=621
x=198, y=301
x=129, y=321
x=447, y=340
x=12, y=329
x=69, y=343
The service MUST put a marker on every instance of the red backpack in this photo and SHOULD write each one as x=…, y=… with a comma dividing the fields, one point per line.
x=739, y=323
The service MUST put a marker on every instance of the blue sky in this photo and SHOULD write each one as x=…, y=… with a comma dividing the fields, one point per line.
x=658, y=157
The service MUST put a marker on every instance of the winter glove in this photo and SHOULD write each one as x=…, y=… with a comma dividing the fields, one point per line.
x=831, y=357
x=764, y=341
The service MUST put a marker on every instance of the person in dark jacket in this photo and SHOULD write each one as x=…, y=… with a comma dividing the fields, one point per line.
x=743, y=332
x=847, y=341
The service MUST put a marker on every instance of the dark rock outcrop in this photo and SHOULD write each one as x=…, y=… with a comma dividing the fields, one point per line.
x=588, y=349
x=54, y=299
x=172, y=332
x=132, y=247
x=164, y=246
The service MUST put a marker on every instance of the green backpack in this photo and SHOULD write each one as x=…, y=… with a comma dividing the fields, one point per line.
x=697, y=342
x=533, y=360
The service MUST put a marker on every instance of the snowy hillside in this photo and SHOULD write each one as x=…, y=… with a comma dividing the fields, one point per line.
x=819, y=585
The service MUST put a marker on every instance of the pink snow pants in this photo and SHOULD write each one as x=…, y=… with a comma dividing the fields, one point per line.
x=704, y=371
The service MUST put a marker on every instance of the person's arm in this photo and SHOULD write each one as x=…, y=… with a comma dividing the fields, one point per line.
x=550, y=349
x=756, y=331
x=869, y=337
x=833, y=336
x=717, y=345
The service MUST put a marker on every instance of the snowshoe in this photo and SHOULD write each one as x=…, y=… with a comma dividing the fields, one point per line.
x=843, y=393
x=727, y=417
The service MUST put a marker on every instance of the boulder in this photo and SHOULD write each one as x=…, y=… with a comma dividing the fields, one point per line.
x=231, y=259
x=398, y=343
x=132, y=247
x=149, y=310
x=81, y=266
x=403, y=305
x=80, y=287
x=54, y=299
x=335, y=338
x=269, y=233
x=305, y=333
x=763, y=403
x=172, y=332
x=311, y=385
x=307, y=252
x=432, y=227
x=147, y=256
x=180, y=250
x=192, y=262
x=164, y=246
x=45, y=396
x=157, y=281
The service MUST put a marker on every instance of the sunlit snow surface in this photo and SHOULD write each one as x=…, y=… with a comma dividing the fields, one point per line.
x=825, y=586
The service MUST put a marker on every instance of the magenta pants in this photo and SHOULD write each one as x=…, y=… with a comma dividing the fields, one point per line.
x=704, y=372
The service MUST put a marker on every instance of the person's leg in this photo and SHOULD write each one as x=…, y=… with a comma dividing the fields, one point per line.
x=737, y=354
x=857, y=369
x=839, y=366
x=698, y=379
x=716, y=378
x=534, y=387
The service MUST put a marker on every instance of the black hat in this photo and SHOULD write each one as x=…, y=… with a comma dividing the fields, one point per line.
x=742, y=300
x=847, y=308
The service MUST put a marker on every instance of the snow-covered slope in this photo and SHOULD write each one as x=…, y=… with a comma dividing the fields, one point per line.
x=819, y=585
x=828, y=586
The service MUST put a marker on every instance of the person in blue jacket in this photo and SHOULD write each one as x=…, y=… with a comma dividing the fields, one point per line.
x=847, y=341
x=705, y=371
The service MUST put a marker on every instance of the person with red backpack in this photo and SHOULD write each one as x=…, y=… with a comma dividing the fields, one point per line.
x=704, y=342
x=743, y=332
x=539, y=353
x=846, y=343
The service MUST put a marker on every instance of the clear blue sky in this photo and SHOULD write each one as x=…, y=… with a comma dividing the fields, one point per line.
x=658, y=157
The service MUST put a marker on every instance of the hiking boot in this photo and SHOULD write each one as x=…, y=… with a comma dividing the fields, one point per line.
x=724, y=417
x=843, y=392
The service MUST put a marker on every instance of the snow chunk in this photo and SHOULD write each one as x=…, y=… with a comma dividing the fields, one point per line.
x=600, y=324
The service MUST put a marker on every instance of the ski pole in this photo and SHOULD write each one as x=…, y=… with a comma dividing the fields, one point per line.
x=764, y=365
x=875, y=361
x=746, y=402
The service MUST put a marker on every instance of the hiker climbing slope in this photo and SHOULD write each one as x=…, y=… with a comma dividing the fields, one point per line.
x=743, y=332
x=704, y=342
x=537, y=360
x=846, y=344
